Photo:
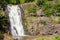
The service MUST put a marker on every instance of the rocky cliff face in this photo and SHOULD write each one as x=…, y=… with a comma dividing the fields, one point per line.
x=40, y=24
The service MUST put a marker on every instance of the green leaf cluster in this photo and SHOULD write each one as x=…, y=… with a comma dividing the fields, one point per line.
x=31, y=9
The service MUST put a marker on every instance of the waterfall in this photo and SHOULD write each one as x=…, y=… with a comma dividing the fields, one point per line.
x=14, y=14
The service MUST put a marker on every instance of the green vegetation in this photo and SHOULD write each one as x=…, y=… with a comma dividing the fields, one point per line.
x=14, y=1
x=40, y=2
x=57, y=38
x=49, y=7
x=31, y=9
x=49, y=38
x=3, y=21
x=29, y=1
x=22, y=1
x=3, y=24
x=57, y=8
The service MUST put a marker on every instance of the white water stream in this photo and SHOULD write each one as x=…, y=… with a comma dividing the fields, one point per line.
x=15, y=20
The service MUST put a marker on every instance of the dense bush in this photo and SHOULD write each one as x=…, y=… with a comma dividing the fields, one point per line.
x=48, y=8
x=31, y=9
x=29, y=1
x=14, y=1
x=3, y=2
x=57, y=8
x=3, y=21
x=40, y=2
x=48, y=12
x=3, y=24
x=22, y=1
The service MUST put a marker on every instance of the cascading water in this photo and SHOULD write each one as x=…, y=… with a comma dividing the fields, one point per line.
x=15, y=20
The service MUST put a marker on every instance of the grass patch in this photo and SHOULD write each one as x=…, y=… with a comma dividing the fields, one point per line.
x=49, y=38
x=31, y=9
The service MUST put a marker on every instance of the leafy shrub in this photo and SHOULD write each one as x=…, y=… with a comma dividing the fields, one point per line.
x=49, y=8
x=3, y=2
x=31, y=9
x=48, y=12
x=22, y=1
x=40, y=2
x=3, y=21
x=2, y=25
x=13, y=1
x=57, y=7
x=48, y=5
x=29, y=1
